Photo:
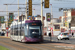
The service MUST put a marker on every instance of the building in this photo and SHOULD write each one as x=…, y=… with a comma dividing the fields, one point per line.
x=3, y=28
x=54, y=24
x=69, y=19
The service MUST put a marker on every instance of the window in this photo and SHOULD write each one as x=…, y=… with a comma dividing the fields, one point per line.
x=16, y=31
x=22, y=31
x=11, y=31
x=34, y=30
x=26, y=30
x=57, y=26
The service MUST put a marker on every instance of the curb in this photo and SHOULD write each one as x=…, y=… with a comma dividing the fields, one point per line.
x=45, y=36
x=4, y=37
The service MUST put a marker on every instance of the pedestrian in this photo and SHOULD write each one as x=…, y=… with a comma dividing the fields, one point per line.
x=72, y=34
x=50, y=36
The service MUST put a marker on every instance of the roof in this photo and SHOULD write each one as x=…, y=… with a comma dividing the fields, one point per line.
x=29, y=21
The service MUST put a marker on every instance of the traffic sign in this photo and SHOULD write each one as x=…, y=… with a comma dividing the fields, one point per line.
x=46, y=3
x=48, y=16
x=7, y=28
x=1, y=19
x=30, y=7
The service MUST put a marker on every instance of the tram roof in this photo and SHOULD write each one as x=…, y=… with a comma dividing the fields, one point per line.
x=30, y=21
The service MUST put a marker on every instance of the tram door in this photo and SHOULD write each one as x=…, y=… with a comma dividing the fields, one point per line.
x=26, y=30
x=21, y=33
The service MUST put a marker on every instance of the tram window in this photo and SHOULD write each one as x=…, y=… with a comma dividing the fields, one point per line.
x=26, y=31
x=34, y=30
x=15, y=32
x=22, y=31
x=19, y=31
x=11, y=31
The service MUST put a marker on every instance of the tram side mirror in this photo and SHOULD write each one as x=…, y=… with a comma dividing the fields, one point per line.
x=49, y=34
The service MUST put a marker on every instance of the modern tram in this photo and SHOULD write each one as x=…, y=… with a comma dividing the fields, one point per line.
x=26, y=31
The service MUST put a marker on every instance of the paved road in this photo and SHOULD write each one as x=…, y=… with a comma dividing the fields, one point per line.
x=71, y=41
x=46, y=45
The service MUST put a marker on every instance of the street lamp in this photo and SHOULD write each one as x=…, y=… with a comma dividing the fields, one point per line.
x=7, y=20
x=18, y=19
x=34, y=12
x=26, y=9
x=52, y=18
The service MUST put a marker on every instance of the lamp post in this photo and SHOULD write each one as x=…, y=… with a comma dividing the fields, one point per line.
x=42, y=11
x=26, y=9
x=52, y=18
x=34, y=12
x=18, y=10
x=7, y=20
x=42, y=15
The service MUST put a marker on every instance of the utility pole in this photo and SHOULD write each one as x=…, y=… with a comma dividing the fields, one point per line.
x=42, y=15
x=42, y=11
x=18, y=10
x=21, y=4
x=26, y=9
x=7, y=20
x=7, y=15
x=12, y=11
x=52, y=18
x=34, y=12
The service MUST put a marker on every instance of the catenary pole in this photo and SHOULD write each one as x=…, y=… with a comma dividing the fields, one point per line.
x=52, y=18
x=42, y=11
x=7, y=15
x=26, y=9
x=18, y=10
x=42, y=15
x=7, y=19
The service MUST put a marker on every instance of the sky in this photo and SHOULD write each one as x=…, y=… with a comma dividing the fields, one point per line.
x=56, y=4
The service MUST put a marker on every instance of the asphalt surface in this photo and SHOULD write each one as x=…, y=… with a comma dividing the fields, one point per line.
x=70, y=41
x=46, y=45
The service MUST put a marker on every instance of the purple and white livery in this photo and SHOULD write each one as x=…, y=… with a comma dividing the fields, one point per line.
x=27, y=31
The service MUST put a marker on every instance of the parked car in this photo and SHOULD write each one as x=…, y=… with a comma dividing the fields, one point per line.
x=2, y=34
x=63, y=35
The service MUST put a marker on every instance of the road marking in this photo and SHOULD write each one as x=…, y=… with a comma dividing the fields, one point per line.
x=72, y=37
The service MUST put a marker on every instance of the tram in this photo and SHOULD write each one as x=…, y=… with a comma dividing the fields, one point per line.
x=26, y=31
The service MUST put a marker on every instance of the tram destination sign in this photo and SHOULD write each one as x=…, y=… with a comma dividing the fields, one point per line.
x=35, y=24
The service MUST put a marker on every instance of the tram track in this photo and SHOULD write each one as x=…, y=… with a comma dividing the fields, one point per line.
x=30, y=46
x=9, y=45
x=22, y=46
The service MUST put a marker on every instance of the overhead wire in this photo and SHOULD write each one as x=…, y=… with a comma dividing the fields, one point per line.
x=65, y=0
x=54, y=3
x=13, y=1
